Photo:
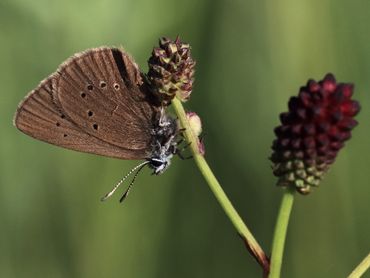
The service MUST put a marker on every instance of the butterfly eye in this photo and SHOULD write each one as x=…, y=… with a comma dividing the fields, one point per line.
x=90, y=87
x=83, y=95
x=156, y=162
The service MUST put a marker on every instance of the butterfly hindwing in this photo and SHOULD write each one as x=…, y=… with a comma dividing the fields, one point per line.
x=94, y=103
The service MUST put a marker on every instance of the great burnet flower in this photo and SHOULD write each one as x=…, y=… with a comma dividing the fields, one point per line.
x=319, y=121
x=171, y=70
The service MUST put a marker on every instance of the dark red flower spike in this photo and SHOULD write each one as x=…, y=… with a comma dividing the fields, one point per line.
x=171, y=70
x=319, y=121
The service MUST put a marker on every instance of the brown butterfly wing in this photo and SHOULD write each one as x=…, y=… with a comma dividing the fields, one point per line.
x=114, y=121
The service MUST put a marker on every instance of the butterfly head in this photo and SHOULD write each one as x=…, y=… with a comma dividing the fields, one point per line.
x=160, y=164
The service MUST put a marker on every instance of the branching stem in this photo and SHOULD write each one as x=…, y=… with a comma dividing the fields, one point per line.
x=361, y=268
x=280, y=233
x=251, y=243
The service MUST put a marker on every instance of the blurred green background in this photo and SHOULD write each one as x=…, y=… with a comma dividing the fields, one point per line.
x=251, y=56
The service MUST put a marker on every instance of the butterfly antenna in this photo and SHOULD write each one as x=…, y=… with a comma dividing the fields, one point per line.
x=131, y=184
x=110, y=193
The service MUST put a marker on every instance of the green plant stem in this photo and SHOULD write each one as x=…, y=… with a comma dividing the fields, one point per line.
x=217, y=190
x=280, y=233
x=361, y=268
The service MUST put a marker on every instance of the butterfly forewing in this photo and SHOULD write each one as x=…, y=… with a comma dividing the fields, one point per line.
x=94, y=103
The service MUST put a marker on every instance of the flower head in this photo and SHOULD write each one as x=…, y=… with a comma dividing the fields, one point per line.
x=312, y=132
x=171, y=70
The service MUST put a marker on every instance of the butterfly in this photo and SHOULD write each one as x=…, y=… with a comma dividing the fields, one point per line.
x=98, y=102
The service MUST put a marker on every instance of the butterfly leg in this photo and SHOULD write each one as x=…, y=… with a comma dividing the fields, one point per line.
x=180, y=141
x=184, y=157
x=180, y=151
